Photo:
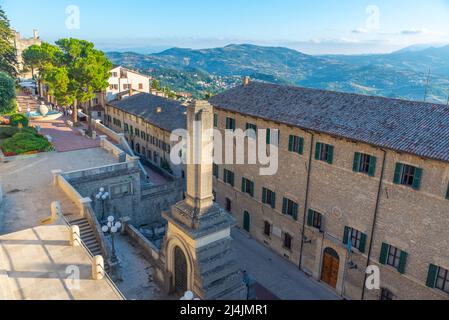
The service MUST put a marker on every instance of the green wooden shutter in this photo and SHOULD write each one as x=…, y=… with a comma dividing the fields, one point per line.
x=215, y=120
x=432, y=276
x=330, y=154
x=243, y=185
x=447, y=194
x=273, y=200
x=291, y=140
x=362, y=243
x=356, y=166
x=295, y=211
x=318, y=151
x=264, y=195
x=301, y=146
x=417, y=178
x=251, y=187
x=310, y=218
x=372, y=166
x=346, y=235
x=384, y=253
x=403, y=262
x=268, y=136
x=398, y=173
x=284, y=206
x=232, y=178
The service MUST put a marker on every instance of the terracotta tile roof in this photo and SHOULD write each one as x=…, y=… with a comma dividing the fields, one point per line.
x=411, y=127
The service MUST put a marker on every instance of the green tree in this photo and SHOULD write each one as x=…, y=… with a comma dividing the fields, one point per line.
x=8, y=56
x=40, y=59
x=87, y=72
x=155, y=85
x=7, y=93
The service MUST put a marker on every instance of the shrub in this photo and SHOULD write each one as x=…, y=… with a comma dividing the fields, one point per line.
x=17, y=118
x=26, y=142
x=7, y=94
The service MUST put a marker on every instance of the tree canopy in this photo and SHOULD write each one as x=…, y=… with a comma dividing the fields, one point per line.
x=8, y=56
x=7, y=93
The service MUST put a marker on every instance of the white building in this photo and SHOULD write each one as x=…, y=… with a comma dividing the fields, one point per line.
x=123, y=80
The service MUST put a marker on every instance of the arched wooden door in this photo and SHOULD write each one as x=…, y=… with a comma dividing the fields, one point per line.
x=180, y=271
x=331, y=265
x=246, y=221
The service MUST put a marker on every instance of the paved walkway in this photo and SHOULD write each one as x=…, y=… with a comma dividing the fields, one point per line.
x=65, y=138
x=275, y=274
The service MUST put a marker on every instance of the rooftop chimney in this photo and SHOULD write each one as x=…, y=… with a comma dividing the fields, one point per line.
x=246, y=81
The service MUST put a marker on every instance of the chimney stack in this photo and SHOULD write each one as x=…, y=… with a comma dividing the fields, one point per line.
x=246, y=81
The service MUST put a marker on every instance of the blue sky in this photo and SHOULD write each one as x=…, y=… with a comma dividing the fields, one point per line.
x=325, y=26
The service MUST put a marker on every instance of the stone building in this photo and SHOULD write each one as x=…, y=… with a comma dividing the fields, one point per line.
x=21, y=44
x=147, y=122
x=362, y=181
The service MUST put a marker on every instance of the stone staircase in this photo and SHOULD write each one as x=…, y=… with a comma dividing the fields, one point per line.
x=25, y=101
x=88, y=238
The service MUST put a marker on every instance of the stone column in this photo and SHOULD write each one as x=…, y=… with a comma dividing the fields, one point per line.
x=98, y=272
x=75, y=238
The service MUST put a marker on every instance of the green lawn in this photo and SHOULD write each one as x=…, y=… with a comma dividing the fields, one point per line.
x=15, y=141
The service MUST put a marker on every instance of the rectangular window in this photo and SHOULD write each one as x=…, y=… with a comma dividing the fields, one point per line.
x=442, y=282
x=408, y=176
x=140, y=86
x=251, y=130
x=216, y=171
x=269, y=197
x=228, y=205
x=215, y=120
x=324, y=152
x=447, y=193
x=364, y=163
x=267, y=229
x=228, y=177
x=248, y=187
x=394, y=257
x=315, y=220
x=288, y=241
x=296, y=144
x=120, y=190
x=386, y=294
x=356, y=238
x=290, y=208
x=230, y=124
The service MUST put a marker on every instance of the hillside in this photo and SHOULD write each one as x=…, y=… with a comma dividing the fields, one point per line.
x=400, y=74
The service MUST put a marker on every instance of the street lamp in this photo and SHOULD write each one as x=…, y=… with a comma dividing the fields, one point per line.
x=102, y=196
x=112, y=228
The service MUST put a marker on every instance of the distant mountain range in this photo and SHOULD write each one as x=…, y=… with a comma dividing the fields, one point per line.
x=402, y=74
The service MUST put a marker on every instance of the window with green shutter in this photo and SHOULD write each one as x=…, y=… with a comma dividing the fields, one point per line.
x=315, y=220
x=393, y=257
x=215, y=120
x=230, y=124
x=447, y=193
x=268, y=136
x=216, y=171
x=296, y=144
x=248, y=187
x=384, y=254
x=324, y=152
x=364, y=163
x=269, y=197
x=432, y=276
x=228, y=177
x=251, y=130
x=357, y=238
x=408, y=176
x=290, y=208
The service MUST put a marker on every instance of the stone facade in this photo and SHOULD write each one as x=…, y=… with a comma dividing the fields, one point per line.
x=412, y=220
x=21, y=44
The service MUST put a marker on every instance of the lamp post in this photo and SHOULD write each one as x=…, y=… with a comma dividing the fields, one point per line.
x=112, y=228
x=102, y=196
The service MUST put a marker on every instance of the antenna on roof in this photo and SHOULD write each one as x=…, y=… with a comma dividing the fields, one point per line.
x=426, y=91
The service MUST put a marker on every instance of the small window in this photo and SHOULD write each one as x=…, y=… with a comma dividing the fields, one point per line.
x=251, y=130
x=394, y=257
x=447, y=193
x=364, y=163
x=324, y=152
x=442, y=282
x=120, y=190
x=386, y=294
x=228, y=205
x=355, y=238
x=315, y=220
x=216, y=171
x=408, y=176
x=230, y=124
x=267, y=229
x=288, y=241
x=140, y=86
x=248, y=187
x=296, y=144
x=290, y=208
x=269, y=197
x=229, y=177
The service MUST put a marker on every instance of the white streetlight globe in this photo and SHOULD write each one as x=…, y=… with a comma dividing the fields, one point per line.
x=111, y=219
x=98, y=196
x=105, y=229
x=189, y=295
x=118, y=225
x=101, y=190
x=104, y=197
x=107, y=194
x=114, y=230
x=109, y=224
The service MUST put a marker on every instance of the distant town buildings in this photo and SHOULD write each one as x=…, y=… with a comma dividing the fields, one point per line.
x=126, y=81
x=21, y=44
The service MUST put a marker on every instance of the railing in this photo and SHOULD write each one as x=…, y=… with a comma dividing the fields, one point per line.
x=91, y=256
x=98, y=170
